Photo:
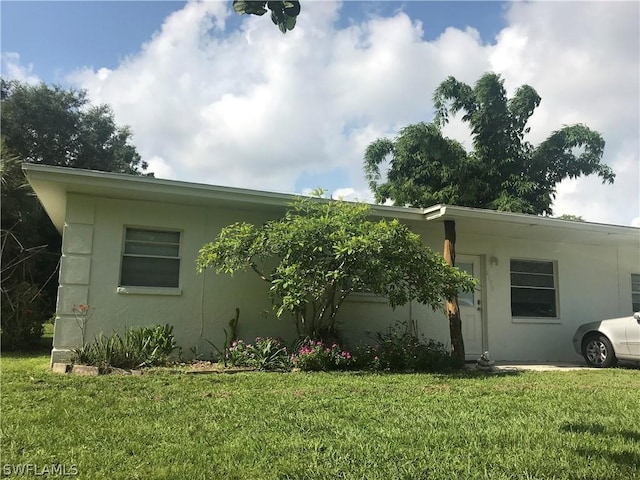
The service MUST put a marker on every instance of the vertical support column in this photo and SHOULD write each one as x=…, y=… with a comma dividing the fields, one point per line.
x=75, y=275
x=453, y=309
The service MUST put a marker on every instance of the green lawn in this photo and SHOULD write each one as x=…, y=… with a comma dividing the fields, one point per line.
x=565, y=425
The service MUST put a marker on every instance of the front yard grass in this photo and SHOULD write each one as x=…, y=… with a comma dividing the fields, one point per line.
x=532, y=425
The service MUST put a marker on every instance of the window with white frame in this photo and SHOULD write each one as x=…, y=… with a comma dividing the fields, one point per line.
x=635, y=292
x=151, y=258
x=533, y=289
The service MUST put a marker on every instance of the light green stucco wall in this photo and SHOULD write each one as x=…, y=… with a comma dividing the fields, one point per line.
x=593, y=283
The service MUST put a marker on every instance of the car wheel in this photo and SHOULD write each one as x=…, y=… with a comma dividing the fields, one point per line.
x=598, y=351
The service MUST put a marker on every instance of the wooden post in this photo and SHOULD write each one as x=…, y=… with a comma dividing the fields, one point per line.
x=453, y=309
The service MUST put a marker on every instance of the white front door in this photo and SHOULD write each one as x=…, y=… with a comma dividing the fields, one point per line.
x=471, y=309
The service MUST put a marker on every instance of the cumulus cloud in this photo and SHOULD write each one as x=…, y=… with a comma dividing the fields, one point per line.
x=253, y=108
x=12, y=69
x=580, y=59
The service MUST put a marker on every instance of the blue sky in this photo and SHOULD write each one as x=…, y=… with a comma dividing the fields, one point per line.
x=58, y=37
x=219, y=98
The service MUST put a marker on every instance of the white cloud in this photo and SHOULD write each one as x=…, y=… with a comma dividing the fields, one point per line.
x=353, y=195
x=580, y=59
x=160, y=167
x=254, y=108
x=12, y=69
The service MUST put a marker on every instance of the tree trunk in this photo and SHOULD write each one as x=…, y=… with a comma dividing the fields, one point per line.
x=453, y=310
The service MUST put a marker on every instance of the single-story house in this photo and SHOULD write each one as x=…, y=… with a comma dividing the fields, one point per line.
x=130, y=244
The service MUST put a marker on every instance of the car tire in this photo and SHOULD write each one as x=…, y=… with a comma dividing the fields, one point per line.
x=598, y=351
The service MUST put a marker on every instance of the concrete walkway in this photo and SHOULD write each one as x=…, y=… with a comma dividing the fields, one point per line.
x=547, y=366
x=543, y=367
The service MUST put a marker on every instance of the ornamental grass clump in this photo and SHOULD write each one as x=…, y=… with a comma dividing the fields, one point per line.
x=140, y=347
x=264, y=354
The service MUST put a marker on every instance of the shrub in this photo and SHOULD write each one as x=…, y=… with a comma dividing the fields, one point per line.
x=140, y=347
x=314, y=355
x=23, y=313
x=265, y=354
x=401, y=350
x=321, y=251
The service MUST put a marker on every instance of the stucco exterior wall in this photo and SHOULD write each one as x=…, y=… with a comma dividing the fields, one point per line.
x=593, y=282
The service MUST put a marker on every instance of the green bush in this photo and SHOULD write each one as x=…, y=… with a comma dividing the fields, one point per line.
x=23, y=313
x=314, y=355
x=400, y=350
x=140, y=347
x=265, y=354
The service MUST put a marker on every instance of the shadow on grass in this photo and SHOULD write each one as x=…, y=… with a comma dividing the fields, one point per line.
x=452, y=375
x=626, y=458
x=597, y=429
x=629, y=458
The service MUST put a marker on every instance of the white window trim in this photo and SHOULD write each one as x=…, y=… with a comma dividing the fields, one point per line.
x=146, y=290
x=169, y=291
x=538, y=320
x=366, y=297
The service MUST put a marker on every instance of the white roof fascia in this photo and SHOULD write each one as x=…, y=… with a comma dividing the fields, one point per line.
x=445, y=212
x=52, y=184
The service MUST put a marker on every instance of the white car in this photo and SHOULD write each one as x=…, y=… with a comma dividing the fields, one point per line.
x=605, y=342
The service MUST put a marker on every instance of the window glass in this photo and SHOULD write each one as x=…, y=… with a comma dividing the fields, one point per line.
x=533, y=290
x=466, y=299
x=635, y=292
x=151, y=249
x=151, y=258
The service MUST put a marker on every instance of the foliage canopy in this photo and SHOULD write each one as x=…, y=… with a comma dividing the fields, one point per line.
x=503, y=171
x=46, y=125
x=326, y=250
x=283, y=13
x=53, y=126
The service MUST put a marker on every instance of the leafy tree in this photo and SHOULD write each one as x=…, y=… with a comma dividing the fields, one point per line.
x=24, y=305
x=326, y=250
x=573, y=218
x=502, y=172
x=47, y=125
x=283, y=13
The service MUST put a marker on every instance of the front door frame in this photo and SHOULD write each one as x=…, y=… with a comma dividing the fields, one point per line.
x=479, y=298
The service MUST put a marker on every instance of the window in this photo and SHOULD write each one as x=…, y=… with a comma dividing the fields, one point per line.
x=635, y=292
x=533, y=290
x=151, y=258
x=364, y=294
x=466, y=299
